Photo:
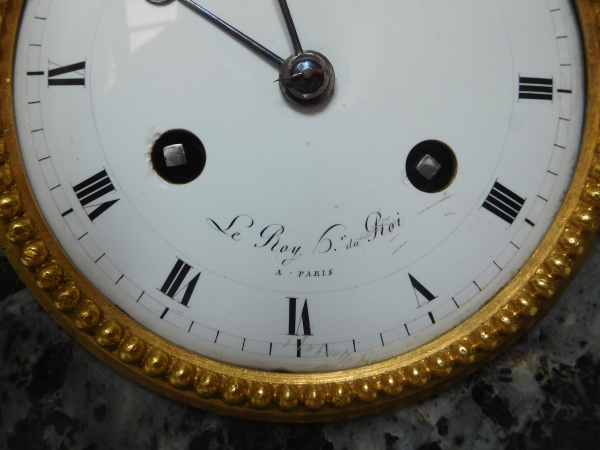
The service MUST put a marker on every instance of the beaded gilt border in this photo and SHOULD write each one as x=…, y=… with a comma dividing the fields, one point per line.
x=116, y=339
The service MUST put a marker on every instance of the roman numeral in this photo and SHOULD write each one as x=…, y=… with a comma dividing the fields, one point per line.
x=535, y=88
x=71, y=68
x=174, y=283
x=293, y=329
x=504, y=203
x=420, y=289
x=91, y=190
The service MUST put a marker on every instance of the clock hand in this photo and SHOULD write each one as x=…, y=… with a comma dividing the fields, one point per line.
x=229, y=29
x=291, y=28
x=305, y=78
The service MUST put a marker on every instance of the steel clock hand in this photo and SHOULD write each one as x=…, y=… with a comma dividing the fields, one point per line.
x=291, y=27
x=229, y=29
x=306, y=78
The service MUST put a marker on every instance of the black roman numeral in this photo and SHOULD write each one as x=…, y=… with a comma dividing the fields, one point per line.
x=293, y=329
x=91, y=190
x=75, y=68
x=304, y=319
x=504, y=203
x=418, y=287
x=535, y=88
x=174, y=283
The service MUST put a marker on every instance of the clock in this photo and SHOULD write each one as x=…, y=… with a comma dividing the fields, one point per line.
x=304, y=237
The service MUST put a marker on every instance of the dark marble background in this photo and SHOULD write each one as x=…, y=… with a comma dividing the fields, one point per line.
x=543, y=393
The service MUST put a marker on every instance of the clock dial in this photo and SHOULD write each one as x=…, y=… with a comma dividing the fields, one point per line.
x=300, y=239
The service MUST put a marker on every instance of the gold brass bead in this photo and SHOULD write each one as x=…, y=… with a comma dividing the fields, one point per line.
x=527, y=304
x=440, y=365
x=87, y=316
x=260, y=395
x=286, y=397
x=131, y=349
x=19, y=231
x=558, y=265
x=6, y=178
x=512, y=310
x=366, y=389
x=507, y=321
x=487, y=335
x=181, y=374
x=66, y=297
x=207, y=383
x=314, y=397
x=585, y=218
x=109, y=333
x=340, y=394
x=34, y=254
x=416, y=375
x=542, y=283
x=2, y=148
x=572, y=242
x=391, y=384
x=461, y=352
x=10, y=205
x=234, y=391
x=591, y=193
x=49, y=276
x=464, y=350
x=155, y=363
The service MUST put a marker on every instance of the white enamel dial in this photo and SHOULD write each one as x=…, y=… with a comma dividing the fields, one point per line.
x=304, y=245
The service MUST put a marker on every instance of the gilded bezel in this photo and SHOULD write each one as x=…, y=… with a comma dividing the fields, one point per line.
x=135, y=351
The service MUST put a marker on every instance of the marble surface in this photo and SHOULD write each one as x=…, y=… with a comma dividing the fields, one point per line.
x=543, y=393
